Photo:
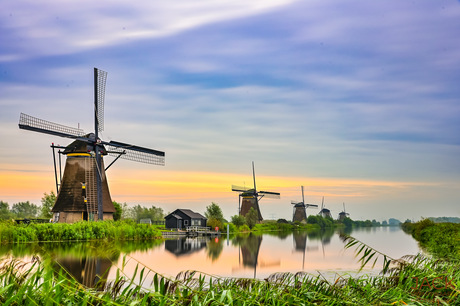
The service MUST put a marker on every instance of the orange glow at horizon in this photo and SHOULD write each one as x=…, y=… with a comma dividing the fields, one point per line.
x=191, y=186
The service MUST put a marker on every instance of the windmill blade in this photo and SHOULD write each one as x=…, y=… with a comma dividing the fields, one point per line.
x=311, y=205
x=135, y=153
x=30, y=123
x=100, y=78
x=240, y=189
x=269, y=194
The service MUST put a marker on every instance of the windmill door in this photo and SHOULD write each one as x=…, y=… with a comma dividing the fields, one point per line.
x=179, y=224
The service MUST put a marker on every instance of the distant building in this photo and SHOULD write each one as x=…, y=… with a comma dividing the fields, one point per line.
x=181, y=218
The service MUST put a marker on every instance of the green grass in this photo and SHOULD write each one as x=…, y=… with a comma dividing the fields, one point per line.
x=121, y=230
x=412, y=280
x=440, y=239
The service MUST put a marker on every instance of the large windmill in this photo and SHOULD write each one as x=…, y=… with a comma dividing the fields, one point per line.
x=300, y=209
x=251, y=197
x=343, y=214
x=324, y=212
x=83, y=191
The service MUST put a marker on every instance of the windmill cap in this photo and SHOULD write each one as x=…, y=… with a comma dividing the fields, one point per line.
x=80, y=146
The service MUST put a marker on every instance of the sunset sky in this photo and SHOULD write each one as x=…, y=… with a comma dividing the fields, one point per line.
x=358, y=101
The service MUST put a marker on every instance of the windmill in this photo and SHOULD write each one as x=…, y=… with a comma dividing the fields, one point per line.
x=343, y=214
x=324, y=212
x=83, y=191
x=300, y=209
x=251, y=197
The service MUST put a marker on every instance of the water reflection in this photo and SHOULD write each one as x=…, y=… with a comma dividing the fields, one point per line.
x=185, y=246
x=249, y=255
x=214, y=248
x=88, y=263
x=89, y=271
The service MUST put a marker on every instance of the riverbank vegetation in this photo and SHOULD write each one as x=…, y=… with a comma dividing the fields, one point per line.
x=241, y=224
x=11, y=232
x=413, y=280
x=440, y=239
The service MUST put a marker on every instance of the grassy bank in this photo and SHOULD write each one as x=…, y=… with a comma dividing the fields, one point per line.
x=11, y=232
x=440, y=239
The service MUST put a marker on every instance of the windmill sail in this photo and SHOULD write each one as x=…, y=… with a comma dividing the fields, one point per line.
x=27, y=122
x=136, y=153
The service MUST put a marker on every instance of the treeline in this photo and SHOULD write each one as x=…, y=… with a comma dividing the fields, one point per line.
x=137, y=212
x=444, y=219
x=29, y=210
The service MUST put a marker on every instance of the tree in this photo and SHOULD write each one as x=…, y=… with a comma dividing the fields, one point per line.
x=48, y=201
x=213, y=223
x=24, y=210
x=252, y=217
x=118, y=211
x=4, y=211
x=238, y=220
x=347, y=222
x=214, y=211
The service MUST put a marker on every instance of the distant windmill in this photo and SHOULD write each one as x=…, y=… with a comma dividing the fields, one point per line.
x=300, y=209
x=324, y=212
x=83, y=192
x=251, y=197
x=343, y=214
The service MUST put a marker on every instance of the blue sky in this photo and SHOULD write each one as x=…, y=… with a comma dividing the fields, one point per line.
x=358, y=101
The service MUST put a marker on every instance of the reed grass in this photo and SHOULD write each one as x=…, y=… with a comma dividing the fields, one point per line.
x=11, y=232
x=32, y=284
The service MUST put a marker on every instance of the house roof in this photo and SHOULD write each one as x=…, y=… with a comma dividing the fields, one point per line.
x=173, y=215
x=188, y=213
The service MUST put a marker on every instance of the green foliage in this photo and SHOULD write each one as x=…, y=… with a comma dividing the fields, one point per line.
x=238, y=220
x=321, y=221
x=244, y=228
x=347, y=222
x=213, y=223
x=445, y=219
x=214, y=211
x=34, y=284
x=5, y=211
x=118, y=210
x=48, y=201
x=252, y=217
x=12, y=232
x=140, y=212
x=440, y=239
x=24, y=210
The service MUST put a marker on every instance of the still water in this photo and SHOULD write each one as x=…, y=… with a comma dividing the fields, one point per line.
x=249, y=256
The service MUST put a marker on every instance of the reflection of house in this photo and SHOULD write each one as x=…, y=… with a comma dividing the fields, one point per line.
x=182, y=246
x=181, y=218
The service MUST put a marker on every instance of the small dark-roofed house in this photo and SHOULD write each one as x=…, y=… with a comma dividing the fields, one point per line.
x=181, y=218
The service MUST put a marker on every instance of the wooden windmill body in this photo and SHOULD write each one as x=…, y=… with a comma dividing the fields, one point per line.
x=343, y=214
x=250, y=197
x=324, y=212
x=83, y=191
x=300, y=210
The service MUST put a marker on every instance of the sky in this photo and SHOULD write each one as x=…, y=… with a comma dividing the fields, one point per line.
x=357, y=101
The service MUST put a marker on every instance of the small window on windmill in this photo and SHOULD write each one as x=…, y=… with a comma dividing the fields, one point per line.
x=83, y=190
x=185, y=222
